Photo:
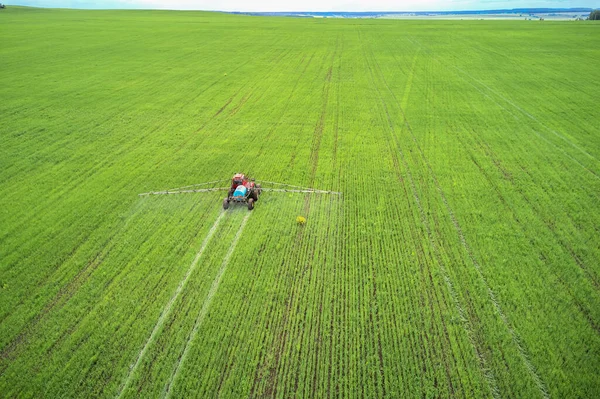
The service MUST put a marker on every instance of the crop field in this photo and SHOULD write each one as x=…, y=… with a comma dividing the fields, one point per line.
x=462, y=258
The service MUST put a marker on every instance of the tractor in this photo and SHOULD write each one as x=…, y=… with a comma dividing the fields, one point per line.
x=242, y=190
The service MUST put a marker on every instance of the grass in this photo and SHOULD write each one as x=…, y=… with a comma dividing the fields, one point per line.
x=462, y=259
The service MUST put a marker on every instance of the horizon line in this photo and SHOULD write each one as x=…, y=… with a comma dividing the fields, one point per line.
x=313, y=12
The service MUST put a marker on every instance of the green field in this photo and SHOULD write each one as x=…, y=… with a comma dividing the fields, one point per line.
x=461, y=260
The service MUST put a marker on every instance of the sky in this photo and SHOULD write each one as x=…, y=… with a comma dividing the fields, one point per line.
x=311, y=5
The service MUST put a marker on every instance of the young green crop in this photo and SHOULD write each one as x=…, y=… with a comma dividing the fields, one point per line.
x=461, y=259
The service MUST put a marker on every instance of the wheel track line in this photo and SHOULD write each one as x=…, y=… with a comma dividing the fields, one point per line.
x=246, y=86
x=381, y=380
x=64, y=293
x=561, y=242
x=435, y=298
x=122, y=151
x=284, y=275
x=467, y=325
x=513, y=114
x=566, y=247
x=266, y=372
x=207, y=301
x=63, y=300
x=530, y=116
x=523, y=111
x=288, y=101
x=167, y=309
x=533, y=130
x=411, y=75
x=488, y=375
x=524, y=356
x=245, y=308
x=515, y=338
x=68, y=330
x=314, y=160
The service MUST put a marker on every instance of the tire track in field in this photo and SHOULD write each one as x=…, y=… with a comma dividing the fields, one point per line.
x=223, y=107
x=421, y=250
x=337, y=106
x=530, y=116
x=125, y=150
x=508, y=209
x=314, y=301
x=282, y=277
x=81, y=317
x=523, y=112
x=466, y=320
x=376, y=331
x=323, y=109
x=423, y=353
x=517, y=107
x=117, y=155
x=423, y=254
x=167, y=309
x=288, y=102
x=264, y=371
x=314, y=160
x=282, y=339
x=310, y=308
x=338, y=292
x=484, y=146
x=319, y=127
x=580, y=306
x=113, y=158
x=245, y=309
x=14, y=348
x=335, y=291
x=467, y=324
x=411, y=75
x=205, y=305
x=534, y=131
x=515, y=338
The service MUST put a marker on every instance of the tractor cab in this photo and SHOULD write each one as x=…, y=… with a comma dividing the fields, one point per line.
x=238, y=180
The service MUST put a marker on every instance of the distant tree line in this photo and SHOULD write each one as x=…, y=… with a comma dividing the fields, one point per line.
x=2, y=5
x=594, y=15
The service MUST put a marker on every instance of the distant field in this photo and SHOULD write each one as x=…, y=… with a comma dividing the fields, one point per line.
x=500, y=17
x=461, y=260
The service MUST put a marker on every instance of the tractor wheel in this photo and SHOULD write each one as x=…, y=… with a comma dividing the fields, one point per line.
x=226, y=203
x=251, y=204
x=254, y=195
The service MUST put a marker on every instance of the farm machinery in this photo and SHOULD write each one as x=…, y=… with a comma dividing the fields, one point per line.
x=242, y=190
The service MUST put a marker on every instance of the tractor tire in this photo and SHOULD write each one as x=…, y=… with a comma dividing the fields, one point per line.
x=251, y=204
x=226, y=203
x=254, y=195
